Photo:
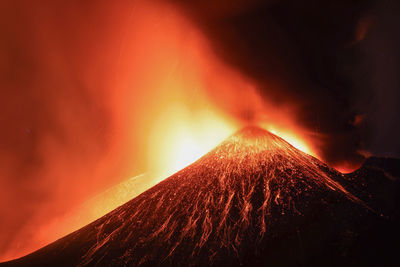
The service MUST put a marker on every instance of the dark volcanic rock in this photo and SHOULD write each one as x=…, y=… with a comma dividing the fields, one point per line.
x=254, y=200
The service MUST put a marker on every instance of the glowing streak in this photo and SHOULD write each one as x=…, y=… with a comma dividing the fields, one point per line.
x=238, y=194
x=292, y=139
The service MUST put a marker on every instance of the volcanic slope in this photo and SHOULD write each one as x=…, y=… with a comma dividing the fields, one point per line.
x=253, y=200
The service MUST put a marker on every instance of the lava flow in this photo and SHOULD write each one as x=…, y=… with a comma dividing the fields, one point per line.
x=247, y=201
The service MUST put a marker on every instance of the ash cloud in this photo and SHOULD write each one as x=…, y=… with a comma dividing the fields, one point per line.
x=61, y=63
x=59, y=137
x=335, y=60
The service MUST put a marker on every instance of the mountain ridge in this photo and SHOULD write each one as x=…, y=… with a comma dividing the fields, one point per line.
x=254, y=199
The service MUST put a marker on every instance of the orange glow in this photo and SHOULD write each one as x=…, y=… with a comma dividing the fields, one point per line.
x=346, y=167
x=168, y=98
x=363, y=26
x=95, y=207
x=151, y=72
x=180, y=137
x=292, y=138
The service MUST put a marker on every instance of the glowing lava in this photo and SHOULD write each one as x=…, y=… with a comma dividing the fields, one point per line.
x=219, y=210
x=151, y=84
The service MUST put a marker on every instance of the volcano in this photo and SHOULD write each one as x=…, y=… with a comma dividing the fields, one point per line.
x=253, y=200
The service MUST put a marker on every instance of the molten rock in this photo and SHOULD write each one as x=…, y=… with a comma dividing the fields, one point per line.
x=253, y=200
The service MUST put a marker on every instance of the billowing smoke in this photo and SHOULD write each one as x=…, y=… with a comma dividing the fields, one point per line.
x=82, y=79
x=58, y=133
x=334, y=62
x=90, y=92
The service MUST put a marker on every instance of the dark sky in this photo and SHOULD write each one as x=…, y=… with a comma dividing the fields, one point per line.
x=338, y=60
